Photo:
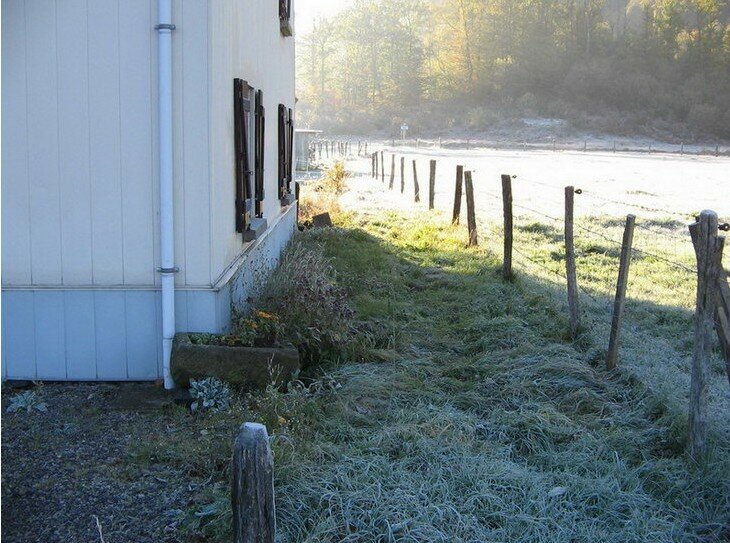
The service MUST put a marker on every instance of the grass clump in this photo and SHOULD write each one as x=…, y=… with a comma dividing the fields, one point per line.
x=321, y=196
x=312, y=309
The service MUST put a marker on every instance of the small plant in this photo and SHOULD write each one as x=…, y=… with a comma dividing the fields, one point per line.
x=210, y=393
x=27, y=401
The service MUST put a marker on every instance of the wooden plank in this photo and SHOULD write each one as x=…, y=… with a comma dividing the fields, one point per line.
x=508, y=226
x=620, y=301
x=456, y=217
x=470, y=211
x=432, y=185
x=570, y=268
x=252, y=495
x=723, y=327
x=709, y=257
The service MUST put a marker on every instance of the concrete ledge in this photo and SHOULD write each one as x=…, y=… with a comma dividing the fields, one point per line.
x=255, y=229
x=287, y=200
x=251, y=368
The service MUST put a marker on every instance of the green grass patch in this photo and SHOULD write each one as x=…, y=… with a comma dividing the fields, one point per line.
x=472, y=420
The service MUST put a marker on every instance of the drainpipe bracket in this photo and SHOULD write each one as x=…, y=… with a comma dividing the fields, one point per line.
x=168, y=271
x=165, y=26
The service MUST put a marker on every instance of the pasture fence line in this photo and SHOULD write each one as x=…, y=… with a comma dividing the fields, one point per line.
x=584, y=238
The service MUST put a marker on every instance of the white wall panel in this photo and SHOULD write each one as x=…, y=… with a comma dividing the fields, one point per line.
x=42, y=121
x=15, y=190
x=105, y=143
x=73, y=140
x=135, y=27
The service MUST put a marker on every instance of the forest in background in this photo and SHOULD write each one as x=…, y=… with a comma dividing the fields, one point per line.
x=628, y=67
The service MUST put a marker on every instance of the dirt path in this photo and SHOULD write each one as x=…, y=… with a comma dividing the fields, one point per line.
x=77, y=462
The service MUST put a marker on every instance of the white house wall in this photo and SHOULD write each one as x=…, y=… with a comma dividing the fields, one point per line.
x=79, y=123
x=245, y=42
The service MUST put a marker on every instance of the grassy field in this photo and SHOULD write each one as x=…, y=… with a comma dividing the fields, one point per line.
x=473, y=419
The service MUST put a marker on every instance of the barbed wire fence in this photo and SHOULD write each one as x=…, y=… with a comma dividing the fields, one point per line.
x=598, y=249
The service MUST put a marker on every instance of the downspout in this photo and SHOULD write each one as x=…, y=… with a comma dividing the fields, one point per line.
x=167, y=269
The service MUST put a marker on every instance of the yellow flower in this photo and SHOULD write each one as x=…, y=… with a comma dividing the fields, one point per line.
x=282, y=421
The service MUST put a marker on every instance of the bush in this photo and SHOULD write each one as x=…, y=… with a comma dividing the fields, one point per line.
x=313, y=310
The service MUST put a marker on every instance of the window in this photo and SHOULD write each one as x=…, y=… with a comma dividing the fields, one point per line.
x=286, y=143
x=242, y=115
x=285, y=17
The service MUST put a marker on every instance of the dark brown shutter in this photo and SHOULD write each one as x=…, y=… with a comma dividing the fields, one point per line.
x=290, y=151
x=260, y=113
x=241, y=104
x=283, y=147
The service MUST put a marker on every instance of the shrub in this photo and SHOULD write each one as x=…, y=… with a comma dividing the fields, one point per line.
x=314, y=311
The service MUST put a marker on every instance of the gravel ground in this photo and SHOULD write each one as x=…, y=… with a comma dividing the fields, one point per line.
x=78, y=462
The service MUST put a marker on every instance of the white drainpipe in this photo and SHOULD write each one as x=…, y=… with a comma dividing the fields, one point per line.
x=167, y=268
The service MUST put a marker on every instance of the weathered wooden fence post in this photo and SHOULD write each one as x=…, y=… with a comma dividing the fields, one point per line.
x=416, y=189
x=708, y=250
x=372, y=165
x=620, y=301
x=392, y=171
x=402, y=174
x=382, y=166
x=366, y=148
x=570, y=270
x=456, y=217
x=432, y=185
x=471, y=216
x=508, y=225
x=252, y=497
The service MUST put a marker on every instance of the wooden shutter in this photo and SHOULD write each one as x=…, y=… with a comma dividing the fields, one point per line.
x=290, y=151
x=283, y=148
x=241, y=105
x=285, y=17
x=260, y=115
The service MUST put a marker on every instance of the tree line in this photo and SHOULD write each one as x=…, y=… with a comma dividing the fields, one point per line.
x=624, y=66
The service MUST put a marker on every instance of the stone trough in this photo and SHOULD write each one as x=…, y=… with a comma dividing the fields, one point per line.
x=250, y=368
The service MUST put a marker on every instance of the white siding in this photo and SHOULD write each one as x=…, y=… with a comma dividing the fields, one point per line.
x=245, y=42
x=79, y=121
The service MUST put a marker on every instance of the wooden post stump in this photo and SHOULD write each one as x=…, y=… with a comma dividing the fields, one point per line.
x=416, y=189
x=252, y=497
x=392, y=171
x=458, y=194
x=620, y=301
x=570, y=269
x=508, y=226
x=708, y=250
x=432, y=185
x=402, y=174
x=471, y=217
